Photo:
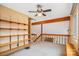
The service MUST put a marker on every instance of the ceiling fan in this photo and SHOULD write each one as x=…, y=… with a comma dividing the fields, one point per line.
x=40, y=11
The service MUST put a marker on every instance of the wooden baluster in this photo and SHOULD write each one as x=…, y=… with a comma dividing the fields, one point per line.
x=52, y=39
x=62, y=39
x=47, y=36
x=66, y=39
x=59, y=39
x=34, y=37
x=55, y=39
x=44, y=37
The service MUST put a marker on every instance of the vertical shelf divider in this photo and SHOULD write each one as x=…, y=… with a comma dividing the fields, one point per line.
x=10, y=33
x=18, y=35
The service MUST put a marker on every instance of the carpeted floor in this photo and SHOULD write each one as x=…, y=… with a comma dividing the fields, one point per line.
x=41, y=49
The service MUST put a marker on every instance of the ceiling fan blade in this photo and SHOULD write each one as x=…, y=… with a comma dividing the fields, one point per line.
x=48, y=10
x=43, y=14
x=32, y=11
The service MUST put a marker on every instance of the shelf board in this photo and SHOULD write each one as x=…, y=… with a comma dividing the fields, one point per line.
x=5, y=44
x=13, y=29
x=12, y=22
x=13, y=42
x=13, y=35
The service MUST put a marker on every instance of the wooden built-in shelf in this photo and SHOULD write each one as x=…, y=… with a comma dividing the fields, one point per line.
x=14, y=30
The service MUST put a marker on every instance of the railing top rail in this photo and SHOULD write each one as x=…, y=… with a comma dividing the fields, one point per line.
x=33, y=34
x=56, y=34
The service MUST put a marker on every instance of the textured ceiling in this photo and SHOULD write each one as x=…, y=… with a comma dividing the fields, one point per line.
x=58, y=9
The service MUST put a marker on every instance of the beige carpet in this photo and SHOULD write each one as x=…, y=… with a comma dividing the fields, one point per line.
x=42, y=49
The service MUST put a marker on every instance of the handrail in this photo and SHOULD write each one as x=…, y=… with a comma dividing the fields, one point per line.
x=34, y=34
x=37, y=38
x=54, y=38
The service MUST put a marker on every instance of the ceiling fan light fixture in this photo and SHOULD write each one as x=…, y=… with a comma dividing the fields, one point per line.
x=40, y=11
x=39, y=14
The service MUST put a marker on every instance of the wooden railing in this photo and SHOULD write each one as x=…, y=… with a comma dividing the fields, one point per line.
x=35, y=37
x=56, y=38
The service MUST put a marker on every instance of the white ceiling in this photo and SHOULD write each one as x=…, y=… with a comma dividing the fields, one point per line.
x=58, y=9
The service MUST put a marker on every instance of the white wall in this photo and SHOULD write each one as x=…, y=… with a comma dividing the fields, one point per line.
x=36, y=29
x=52, y=28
